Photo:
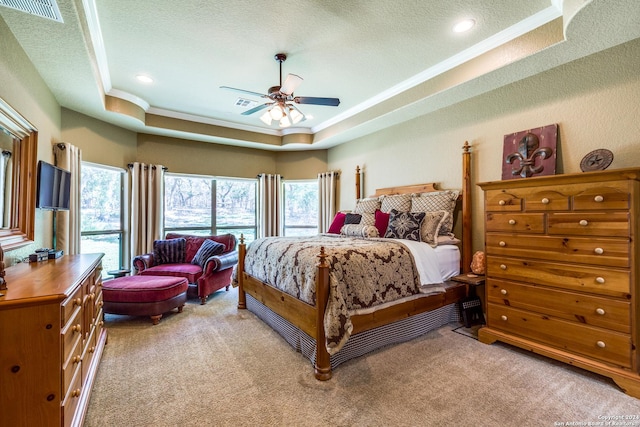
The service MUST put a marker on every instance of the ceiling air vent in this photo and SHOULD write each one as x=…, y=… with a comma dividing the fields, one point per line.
x=43, y=8
x=243, y=102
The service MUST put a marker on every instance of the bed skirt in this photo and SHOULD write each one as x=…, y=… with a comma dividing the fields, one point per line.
x=361, y=343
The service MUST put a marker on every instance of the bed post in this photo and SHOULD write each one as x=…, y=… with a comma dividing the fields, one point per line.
x=242, y=250
x=322, y=367
x=467, y=246
x=358, y=194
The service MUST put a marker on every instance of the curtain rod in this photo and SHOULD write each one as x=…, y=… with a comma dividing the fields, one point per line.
x=164, y=168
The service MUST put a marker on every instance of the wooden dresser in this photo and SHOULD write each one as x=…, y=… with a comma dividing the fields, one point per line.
x=562, y=275
x=51, y=340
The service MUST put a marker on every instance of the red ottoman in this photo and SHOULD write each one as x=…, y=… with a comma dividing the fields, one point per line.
x=144, y=295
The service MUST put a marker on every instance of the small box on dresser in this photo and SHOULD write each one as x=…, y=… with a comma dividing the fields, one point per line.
x=51, y=340
x=562, y=277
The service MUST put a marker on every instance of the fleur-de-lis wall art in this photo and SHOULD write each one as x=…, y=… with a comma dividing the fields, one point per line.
x=530, y=152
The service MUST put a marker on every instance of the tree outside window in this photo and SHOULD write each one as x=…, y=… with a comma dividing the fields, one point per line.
x=301, y=208
x=102, y=228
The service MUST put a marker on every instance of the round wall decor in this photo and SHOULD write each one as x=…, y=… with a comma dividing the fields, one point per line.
x=596, y=160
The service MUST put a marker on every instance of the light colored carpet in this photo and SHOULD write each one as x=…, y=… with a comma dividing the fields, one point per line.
x=214, y=365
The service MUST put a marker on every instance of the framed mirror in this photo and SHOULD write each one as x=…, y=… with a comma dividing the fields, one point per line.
x=18, y=162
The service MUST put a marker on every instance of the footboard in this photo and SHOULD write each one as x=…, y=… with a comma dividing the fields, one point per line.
x=308, y=318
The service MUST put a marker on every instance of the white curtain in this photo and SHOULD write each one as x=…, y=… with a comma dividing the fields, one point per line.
x=269, y=205
x=327, y=187
x=5, y=191
x=67, y=235
x=146, y=206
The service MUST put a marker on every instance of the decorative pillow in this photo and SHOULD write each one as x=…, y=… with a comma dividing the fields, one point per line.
x=382, y=221
x=399, y=202
x=404, y=225
x=359, y=230
x=338, y=222
x=208, y=249
x=431, y=225
x=352, y=218
x=437, y=201
x=368, y=205
x=368, y=219
x=448, y=239
x=170, y=251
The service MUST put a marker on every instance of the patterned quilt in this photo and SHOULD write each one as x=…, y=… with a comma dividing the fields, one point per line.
x=364, y=273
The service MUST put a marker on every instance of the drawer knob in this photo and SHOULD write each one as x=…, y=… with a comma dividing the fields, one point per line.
x=599, y=251
x=600, y=280
x=503, y=267
x=77, y=301
x=503, y=291
x=512, y=221
x=502, y=243
x=75, y=393
x=502, y=203
x=601, y=344
x=600, y=311
x=545, y=201
x=503, y=317
x=76, y=328
x=583, y=222
x=76, y=359
x=598, y=199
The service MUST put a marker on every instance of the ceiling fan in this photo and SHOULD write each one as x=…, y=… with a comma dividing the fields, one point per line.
x=281, y=102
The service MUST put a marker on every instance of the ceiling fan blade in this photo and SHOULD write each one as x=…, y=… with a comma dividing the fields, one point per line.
x=261, y=95
x=290, y=84
x=332, y=102
x=256, y=109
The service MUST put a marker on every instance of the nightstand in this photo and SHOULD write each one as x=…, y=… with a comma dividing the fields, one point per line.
x=471, y=305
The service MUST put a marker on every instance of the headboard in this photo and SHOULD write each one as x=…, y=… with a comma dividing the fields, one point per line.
x=464, y=201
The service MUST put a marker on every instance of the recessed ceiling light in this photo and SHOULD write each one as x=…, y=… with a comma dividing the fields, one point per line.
x=144, y=79
x=463, y=26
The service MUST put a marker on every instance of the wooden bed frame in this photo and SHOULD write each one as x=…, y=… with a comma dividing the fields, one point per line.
x=310, y=319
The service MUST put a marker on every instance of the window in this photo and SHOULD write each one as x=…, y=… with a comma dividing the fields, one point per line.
x=101, y=207
x=301, y=208
x=189, y=207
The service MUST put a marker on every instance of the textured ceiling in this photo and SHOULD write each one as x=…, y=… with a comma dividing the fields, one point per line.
x=387, y=61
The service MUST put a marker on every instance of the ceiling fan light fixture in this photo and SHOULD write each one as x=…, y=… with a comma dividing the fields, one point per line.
x=296, y=116
x=276, y=112
x=285, y=122
x=266, y=118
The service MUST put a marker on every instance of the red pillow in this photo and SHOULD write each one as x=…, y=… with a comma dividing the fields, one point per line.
x=338, y=222
x=382, y=221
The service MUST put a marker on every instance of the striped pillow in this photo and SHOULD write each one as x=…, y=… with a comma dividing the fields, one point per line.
x=170, y=251
x=208, y=249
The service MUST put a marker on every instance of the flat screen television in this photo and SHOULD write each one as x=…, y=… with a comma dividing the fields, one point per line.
x=54, y=187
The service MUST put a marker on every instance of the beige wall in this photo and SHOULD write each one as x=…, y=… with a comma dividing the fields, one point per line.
x=594, y=100
x=202, y=158
x=100, y=142
x=23, y=89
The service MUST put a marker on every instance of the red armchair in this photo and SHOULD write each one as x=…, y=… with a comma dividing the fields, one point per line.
x=215, y=275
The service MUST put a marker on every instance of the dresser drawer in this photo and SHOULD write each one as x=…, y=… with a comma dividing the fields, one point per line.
x=603, y=198
x=596, y=343
x=70, y=304
x=609, y=313
x=71, y=399
x=610, y=224
x=603, y=281
x=71, y=365
x=580, y=250
x=502, y=201
x=515, y=222
x=546, y=200
x=71, y=332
